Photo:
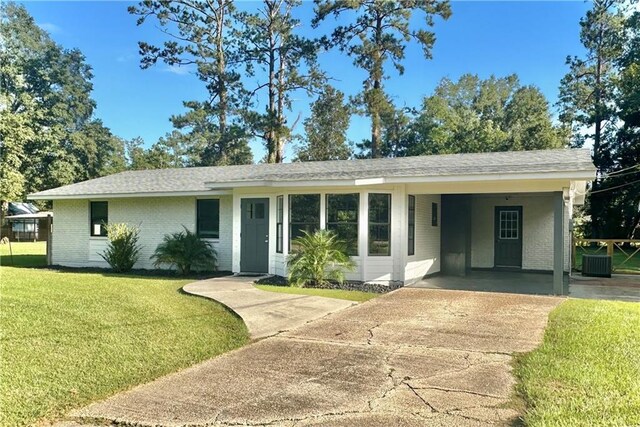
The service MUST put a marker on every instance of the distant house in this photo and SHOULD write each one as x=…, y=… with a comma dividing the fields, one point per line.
x=25, y=222
x=403, y=218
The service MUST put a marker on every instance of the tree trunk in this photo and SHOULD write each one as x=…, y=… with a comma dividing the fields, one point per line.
x=222, y=87
x=597, y=138
x=376, y=99
x=271, y=135
x=281, y=95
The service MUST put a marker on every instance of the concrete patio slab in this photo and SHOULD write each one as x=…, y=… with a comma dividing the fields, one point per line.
x=495, y=281
x=409, y=358
x=265, y=313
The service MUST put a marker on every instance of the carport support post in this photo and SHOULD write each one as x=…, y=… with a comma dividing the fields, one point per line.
x=49, y=240
x=558, y=243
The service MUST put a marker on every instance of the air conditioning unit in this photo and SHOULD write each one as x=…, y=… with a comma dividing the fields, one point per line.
x=596, y=265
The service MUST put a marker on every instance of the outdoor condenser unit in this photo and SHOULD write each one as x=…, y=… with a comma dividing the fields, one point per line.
x=596, y=265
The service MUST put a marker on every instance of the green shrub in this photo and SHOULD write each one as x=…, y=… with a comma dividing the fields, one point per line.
x=122, y=250
x=321, y=257
x=186, y=251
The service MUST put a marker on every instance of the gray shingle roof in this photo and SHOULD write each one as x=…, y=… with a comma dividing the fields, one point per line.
x=202, y=179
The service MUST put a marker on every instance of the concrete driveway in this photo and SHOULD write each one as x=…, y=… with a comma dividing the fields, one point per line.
x=265, y=313
x=409, y=358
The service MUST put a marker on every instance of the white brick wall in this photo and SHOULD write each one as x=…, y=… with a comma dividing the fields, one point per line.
x=427, y=246
x=537, y=233
x=73, y=247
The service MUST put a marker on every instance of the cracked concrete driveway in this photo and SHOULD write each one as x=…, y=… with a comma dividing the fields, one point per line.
x=409, y=358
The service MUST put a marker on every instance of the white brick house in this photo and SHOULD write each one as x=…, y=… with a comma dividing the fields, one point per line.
x=404, y=218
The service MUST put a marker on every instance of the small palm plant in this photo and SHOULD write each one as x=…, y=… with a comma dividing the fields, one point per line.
x=122, y=250
x=186, y=251
x=321, y=257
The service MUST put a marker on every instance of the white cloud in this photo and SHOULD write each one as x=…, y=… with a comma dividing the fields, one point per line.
x=180, y=70
x=125, y=58
x=49, y=27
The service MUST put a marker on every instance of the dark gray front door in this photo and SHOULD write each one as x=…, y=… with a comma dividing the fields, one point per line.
x=508, y=243
x=254, y=237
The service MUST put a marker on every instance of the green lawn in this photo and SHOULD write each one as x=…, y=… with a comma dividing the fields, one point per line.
x=632, y=266
x=358, y=296
x=69, y=338
x=25, y=254
x=587, y=370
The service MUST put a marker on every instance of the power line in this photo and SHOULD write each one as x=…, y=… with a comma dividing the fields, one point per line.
x=622, y=170
x=617, y=186
x=621, y=174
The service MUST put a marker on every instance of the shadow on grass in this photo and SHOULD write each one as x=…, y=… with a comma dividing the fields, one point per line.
x=23, y=261
x=40, y=261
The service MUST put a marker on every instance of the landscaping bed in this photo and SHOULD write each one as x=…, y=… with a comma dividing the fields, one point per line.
x=347, y=285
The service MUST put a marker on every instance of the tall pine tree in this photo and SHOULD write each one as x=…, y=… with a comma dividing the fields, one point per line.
x=199, y=32
x=379, y=32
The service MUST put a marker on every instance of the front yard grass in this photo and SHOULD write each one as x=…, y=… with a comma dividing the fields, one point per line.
x=587, y=370
x=23, y=254
x=358, y=296
x=69, y=338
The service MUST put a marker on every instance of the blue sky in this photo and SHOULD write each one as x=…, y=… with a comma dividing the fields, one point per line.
x=531, y=39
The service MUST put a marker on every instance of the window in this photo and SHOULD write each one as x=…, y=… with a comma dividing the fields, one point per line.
x=342, y=219
x=412, y=225
x=279, y=219
x=208, y=224
x=99, y=218
x=434, y=214
x=380, y=224
x=509, y=225
x=304, y=215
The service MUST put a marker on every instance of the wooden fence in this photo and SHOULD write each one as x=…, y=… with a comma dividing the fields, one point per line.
x=625, y=253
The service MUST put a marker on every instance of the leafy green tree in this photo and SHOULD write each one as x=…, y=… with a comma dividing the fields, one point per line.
x=171, y=151
x=48, y=135
x=97, y=150
x=289, y=64
x=326, y=128
x=475, y=115
x=378, y=32
x=200, y=33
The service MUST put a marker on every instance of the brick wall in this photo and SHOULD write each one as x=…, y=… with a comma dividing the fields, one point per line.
x=72, y=245
x=537, y=233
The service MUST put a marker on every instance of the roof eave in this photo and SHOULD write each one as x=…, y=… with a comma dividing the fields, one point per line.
x=94, y=196
x=576, y=175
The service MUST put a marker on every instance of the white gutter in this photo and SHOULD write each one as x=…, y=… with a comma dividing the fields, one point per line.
x=570, y=175
x=37, y=196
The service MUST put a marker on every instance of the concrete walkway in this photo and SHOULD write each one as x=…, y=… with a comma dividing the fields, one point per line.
x=265, y=313
x=413, y=357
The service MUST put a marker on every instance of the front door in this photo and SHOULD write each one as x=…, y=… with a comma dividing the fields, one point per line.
x=508, y=239
x=254, y=237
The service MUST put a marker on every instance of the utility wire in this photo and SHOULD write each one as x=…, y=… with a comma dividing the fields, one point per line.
x=622, y=170
x=617, y=186
x=621, y=174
